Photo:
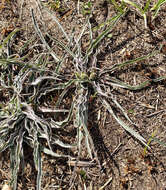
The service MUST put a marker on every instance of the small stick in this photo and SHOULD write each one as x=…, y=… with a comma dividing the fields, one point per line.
x=109, y=180
x=80, y=163
x=155, y=113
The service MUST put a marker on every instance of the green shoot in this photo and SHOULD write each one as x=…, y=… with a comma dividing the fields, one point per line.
x=146, y=9
x=87, y=8
x=140, y=9
x=157, y=6
x=149, y=141
x=120, y=8
x=5, y=41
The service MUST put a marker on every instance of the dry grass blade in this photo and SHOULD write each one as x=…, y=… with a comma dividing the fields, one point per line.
x=80, y=163
x=61, y=96
x=103, y=187
x=49, y=110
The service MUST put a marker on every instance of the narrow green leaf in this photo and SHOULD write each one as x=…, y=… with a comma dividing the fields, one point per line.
x=159, y=79
x=20, y=64
x=37, y=161
x=147, y=5
x=64, y=122
x=58, y=23
x=123, y=111
x=125, y=126
x=67, y=49
x=40, y=79
x=5, y=41
x=118, y=83
x=130, y=62
x=103, y=34
x=16, y=156
x=134, y=5
x=38, y=31
x=51, y=153
x=54, y=140
x=157, y=6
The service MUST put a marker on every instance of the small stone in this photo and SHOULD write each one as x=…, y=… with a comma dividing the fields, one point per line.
x=6, y=187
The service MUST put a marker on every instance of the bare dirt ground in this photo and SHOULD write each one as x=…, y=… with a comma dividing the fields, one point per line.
x=123, y=164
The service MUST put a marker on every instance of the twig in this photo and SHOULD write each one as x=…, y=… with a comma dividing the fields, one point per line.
x=109, y=180
x=116, y=149
x=155, y=113
x=81, y=163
